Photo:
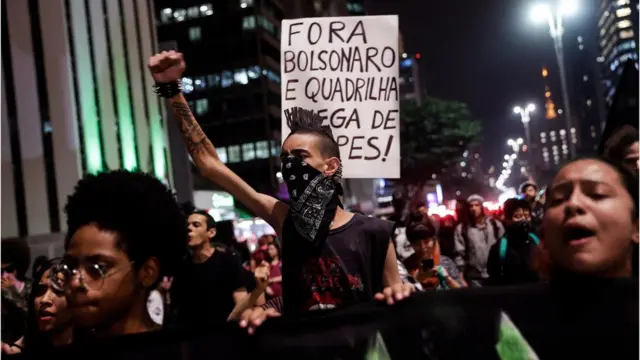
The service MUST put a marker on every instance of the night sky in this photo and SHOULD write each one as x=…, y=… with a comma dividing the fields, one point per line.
x=486, y=53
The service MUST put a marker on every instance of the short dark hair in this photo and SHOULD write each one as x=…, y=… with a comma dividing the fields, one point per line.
x=512, y=205
x=617, y=145
x=16, y=251
x=420, y=230
x=211, y=222
x=139, y=208
x=302, y=121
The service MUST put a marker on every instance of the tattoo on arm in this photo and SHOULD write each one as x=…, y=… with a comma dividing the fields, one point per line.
x=195, y=139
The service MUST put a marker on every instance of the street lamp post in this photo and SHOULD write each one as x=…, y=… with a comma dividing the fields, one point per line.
x=556, y=30
x=525, y=116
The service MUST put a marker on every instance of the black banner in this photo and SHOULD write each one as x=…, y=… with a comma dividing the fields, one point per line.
x=594, y=321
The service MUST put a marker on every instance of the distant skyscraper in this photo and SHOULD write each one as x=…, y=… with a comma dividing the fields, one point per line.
x=553, y=136
x=410, y=79
x=618, y=27
x=232, y=80
x=587, y=104
x=76, y=99
x=549, y=105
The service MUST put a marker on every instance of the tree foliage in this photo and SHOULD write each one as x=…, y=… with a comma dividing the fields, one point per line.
x=434, y=135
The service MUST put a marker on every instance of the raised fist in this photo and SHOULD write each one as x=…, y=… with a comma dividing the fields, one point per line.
x=168, y=66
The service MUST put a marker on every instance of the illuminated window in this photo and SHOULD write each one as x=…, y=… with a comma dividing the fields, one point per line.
x=588, y=102
x=585, y=78
x=626, y=34
x=622, y=2
x=200, y=83
x=193, y=12
x=222, y=154
x=573, y=130
x=249, y=23
x=275, y=148
x=271, y=75
x=246, y=3
x=355, y=8
x=240, y=77
x=206, y=10
x=552, y=135
x=213, y=80
x=187, y=85
x=227, y=79
x=626, y=45
x=202, y=106
x=253, y=72
x=194, y=33
x=622, y=12
x=180, y=15
x=248, y=152
x=233, y=153
x=166, y=16
x=262, y=149
x=266, y=24
x=623, y=24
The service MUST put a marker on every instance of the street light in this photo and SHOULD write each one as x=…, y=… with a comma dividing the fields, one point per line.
x=553, y=16
x=525, y=116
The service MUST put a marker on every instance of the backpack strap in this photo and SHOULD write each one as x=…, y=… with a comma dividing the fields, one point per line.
x=535, y=238
x=496, y=229
x=503, y=248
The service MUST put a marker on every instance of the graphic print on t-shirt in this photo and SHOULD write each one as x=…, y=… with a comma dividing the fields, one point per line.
x=330, y=285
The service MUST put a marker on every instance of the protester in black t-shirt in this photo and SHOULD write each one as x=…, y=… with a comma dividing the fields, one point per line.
x=311, y=167
x=212, y=283
x=510, y=259
x=125, y=231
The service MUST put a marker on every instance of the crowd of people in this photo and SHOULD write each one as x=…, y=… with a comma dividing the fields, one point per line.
x=135, y=263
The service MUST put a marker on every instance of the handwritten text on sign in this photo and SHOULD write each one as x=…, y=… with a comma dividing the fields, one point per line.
x=346, y=69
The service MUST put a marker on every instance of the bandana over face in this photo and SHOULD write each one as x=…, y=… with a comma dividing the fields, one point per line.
x=314, y=198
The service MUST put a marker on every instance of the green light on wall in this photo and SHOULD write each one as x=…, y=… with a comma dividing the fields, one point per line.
x=157, y=144
x=86, y=91
x=125, y=120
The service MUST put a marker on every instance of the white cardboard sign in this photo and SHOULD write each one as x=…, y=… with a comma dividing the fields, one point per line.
x=346, y=69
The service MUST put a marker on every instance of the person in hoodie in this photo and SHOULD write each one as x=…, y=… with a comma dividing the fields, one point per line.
x=473, y=240
x=510, y=259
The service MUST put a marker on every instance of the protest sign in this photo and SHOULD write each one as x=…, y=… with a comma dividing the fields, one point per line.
x=346, y=69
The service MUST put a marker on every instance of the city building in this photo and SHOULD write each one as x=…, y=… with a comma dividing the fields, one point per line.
x=618, y=35
x=76, y=99
x=410, y=79
x=588, y=108
x=232, y=80
x=550, y=138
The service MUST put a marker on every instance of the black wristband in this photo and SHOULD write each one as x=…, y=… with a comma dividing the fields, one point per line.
x=168, y=90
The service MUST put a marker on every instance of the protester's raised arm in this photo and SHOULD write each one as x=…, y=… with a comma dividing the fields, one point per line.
x=167, y=69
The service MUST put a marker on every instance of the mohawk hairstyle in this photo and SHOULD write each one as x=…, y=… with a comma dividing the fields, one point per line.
x=139, y=208
x=303, y=121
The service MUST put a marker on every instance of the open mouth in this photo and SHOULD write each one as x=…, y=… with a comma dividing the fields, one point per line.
x=44, y=314
x=577, y=234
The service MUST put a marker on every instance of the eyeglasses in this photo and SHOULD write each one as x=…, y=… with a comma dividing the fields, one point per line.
x=91, y=273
